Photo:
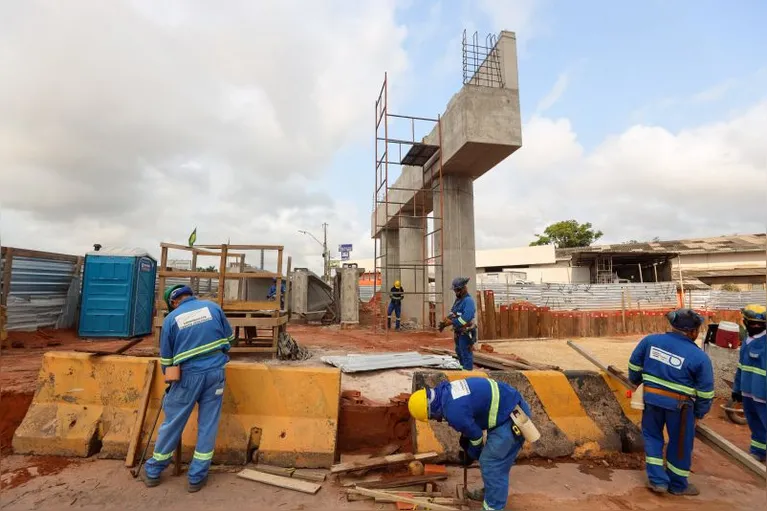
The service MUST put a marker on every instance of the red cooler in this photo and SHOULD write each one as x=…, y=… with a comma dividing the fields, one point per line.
x=728, y=335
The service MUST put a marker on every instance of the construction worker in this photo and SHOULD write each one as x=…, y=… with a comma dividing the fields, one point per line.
x=461, y=317
x=472, y=406
x=678, y=382
x=750, y=386
x=272, y=294
x=396, y=294
x=196, y=337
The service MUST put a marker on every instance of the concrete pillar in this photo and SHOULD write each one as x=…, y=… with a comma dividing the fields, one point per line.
x=411, y=234
x=299, y=294
x=459, y=253
x=389, y=256
x=350, y=296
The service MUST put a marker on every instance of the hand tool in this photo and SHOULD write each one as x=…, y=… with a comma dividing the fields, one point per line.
x=136, y=471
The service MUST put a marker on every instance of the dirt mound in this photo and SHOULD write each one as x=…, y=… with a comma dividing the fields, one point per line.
x=13, y=408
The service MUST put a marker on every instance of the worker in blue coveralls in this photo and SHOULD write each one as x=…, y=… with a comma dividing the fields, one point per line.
x=396, y=294
x=750, y=386
x=272, y=294
x=196, y=337
x=461, y=317
x=472, y=406
x=678, y=382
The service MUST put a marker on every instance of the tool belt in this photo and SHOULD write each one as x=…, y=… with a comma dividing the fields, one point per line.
x=683, y=403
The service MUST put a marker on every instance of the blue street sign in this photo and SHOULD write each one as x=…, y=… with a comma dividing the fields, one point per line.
x=345, y=248
x=344, y=255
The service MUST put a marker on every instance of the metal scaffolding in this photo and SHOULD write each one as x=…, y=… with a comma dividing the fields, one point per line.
x=408, y=207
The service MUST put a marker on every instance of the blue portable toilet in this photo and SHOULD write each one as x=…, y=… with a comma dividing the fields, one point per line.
x=118, y=293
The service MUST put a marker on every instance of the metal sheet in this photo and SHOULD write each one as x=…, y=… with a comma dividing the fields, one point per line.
x=354, y=363
x=43, y=293
x=712, y=299
x=586, y=296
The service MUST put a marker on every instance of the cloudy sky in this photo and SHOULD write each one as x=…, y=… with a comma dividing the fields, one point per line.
x=128, y=123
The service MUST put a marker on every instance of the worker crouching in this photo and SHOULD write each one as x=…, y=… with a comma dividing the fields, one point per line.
x=750, y=385
x=462, y=319
x=678, y=382
x=472, y=406
x=195, y=340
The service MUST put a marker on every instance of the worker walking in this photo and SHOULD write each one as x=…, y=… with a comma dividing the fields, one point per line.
x=678, y=382
x=750, y=386
x=195, y=339
x=461, y=318
x=396, y=294
x=472, y=406
x=272, y=293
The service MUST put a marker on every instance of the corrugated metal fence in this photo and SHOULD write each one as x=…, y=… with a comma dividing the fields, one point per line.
x=711, y=299
x=586, y=296
x=43, y=293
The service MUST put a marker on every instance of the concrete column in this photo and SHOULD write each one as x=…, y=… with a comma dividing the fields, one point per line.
x=411, y=234
x=300, y=293
x=350, y=296
x=389, y=256
x=459, y=253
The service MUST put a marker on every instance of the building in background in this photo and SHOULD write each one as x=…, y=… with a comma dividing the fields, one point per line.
x=725, y=262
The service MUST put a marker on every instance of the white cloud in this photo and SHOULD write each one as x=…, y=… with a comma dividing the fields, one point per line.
x=129, y=122
x=642, y=183
x=555, y=94
x=714, y=93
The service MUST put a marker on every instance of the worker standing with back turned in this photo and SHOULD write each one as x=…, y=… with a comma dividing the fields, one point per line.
x=396, y=294
x=750, y=386
x=195, y=340
x=472, y=406
x=461, y=318
x=678, y=382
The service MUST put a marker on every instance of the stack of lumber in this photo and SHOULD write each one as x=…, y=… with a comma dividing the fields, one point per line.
x=508, y=361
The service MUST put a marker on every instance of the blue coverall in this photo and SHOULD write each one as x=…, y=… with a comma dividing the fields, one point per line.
x=196, y=336
x=272, y=294
x=475, y=404
x=463, y=312
x=676, y=366
x=751, y=383
x=395, y=306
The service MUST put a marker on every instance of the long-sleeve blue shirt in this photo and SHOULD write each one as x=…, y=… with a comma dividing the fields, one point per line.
x=463, y=310
x=672, y=362
x=751, y=376
x=475, y=404
x=195, y=336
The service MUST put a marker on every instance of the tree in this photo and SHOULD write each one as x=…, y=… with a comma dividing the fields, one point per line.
x=568, y=234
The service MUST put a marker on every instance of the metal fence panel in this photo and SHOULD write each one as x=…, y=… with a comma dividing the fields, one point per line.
x=714, y=299
x=43, y=293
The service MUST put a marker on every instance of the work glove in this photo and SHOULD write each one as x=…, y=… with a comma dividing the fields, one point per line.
x=469, y=452
x=737, y=397
x=442, y=325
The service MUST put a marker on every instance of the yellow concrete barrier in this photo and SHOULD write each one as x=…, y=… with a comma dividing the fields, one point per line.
x=86, y=405
x=578, y=413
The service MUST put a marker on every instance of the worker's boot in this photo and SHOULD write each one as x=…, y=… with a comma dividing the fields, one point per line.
x=657, y=488
x=388, y=323
x=690, y=491
x=757, y=457
x=149, y=482
x=477, y=495
x=195, y=487
x=396, y=324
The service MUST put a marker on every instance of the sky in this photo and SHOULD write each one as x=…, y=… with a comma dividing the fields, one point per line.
x=128, y=123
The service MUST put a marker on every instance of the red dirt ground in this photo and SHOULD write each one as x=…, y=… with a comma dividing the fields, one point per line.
x=13, y=407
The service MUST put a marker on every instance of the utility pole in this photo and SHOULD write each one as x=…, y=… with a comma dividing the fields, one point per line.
x=325, y=254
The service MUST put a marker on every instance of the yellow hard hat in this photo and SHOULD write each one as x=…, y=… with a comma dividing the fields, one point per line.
x=418, y=404
x=396, y=283
x=755, y=312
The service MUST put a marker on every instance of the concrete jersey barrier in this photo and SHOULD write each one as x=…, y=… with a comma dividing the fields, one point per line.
x=578, y=413
x=87, y=405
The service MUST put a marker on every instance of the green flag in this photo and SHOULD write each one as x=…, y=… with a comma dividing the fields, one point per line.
x=193, y=237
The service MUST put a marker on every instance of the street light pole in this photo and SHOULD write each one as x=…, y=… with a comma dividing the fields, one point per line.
x=325, y=253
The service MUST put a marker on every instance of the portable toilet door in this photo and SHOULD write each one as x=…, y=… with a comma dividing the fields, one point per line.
x=107, y=295
x=143, y=297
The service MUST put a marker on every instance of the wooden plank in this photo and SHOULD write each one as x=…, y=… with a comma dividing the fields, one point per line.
x=288, y=307
x=503, y=319
x=184, y=274
x=400, y=482
x=253, y=349
x=245, y=247
x=425, y=504
x=278, y=471
x=309, y=474
x=135, y=436
x=222, y=275
x=711, y=437
x=36, y=254
x=245, y=306
x=122, y=349
x=490, y=315
x=279, y=481
x=384, y=461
